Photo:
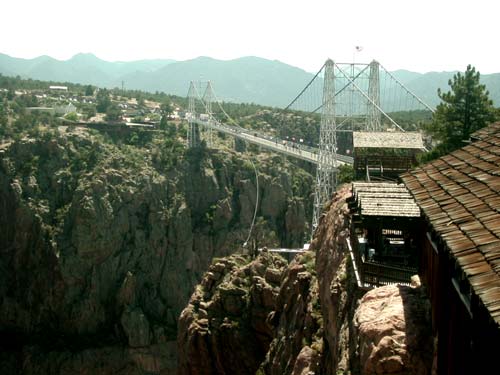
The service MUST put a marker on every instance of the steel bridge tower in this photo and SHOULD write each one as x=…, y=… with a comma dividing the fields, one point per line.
x=326, y=172
x=373, y=123
x=193, y=137
x=208, y=98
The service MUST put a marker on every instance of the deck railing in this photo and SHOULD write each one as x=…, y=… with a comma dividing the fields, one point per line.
x=377, y=273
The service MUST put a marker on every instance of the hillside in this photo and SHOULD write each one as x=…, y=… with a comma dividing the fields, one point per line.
x=103, y=243
x=246, y=79
x=259, y=316
x=81, y=68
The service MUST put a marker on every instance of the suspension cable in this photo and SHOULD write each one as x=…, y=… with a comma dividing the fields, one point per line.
x=407, y=90
x=369, y=99
x=256, y=203
x=251, y=161
x=343, y=88
x=305, y=88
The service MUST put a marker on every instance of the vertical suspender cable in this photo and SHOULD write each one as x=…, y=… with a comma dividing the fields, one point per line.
x=256, y=204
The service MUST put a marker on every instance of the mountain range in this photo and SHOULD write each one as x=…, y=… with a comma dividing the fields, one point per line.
x=246, y=79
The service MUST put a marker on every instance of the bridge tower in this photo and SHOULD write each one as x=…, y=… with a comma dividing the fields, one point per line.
x=193, y=137
x=326, y=172
x=208, y=98
x=373, y=118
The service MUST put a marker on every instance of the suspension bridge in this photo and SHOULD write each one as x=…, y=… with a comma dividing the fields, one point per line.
x=348, y=96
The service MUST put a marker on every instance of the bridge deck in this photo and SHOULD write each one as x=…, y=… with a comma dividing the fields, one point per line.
x=284, y=250
x=306, y=153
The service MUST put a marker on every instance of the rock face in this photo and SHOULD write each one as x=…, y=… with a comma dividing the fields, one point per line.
x=338, y=293
x=101, y=249
x=249, y=316
x=297, y=344
x=321, y=322
x=386, y=330
x=393, y=331
x=223, y=329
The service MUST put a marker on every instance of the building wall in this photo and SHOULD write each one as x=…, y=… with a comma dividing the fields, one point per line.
x=468, y=341
x=429, y=274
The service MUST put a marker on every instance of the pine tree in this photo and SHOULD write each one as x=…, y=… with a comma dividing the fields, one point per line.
x=463, y=110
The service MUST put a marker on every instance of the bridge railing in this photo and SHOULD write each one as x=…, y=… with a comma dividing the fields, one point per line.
x=290, y=147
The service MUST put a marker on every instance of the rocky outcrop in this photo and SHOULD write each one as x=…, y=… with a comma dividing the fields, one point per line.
x=101, y=248
x=321, y=322
x=386, y=330
x=223, y=329
x=338, y=293
x=393, y=331
x=296, y=319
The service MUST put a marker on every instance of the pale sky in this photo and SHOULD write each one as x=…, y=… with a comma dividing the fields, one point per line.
x=420, y=35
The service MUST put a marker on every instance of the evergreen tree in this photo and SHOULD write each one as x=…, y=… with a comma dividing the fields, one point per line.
x=103, y=101
x=89, y=90
x=463, y=110
x=113, y=113
x=166, y=108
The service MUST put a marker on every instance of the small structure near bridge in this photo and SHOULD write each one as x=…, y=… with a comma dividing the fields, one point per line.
x=385, y=155
x=383, y=233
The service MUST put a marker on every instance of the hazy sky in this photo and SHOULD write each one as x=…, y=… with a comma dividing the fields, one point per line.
x=420, y=35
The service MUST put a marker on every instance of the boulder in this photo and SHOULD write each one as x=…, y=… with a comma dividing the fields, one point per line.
x=393, y=331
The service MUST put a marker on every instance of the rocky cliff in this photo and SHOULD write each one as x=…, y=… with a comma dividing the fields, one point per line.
x=223, y=329
x=102, y=245
x=321, y=323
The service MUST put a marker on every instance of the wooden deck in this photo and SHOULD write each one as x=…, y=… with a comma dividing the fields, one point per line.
x=370, y=274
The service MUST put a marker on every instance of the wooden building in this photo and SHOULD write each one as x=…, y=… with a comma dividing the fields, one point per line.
x=383, y=234
x=385, y=155
x=459, y=197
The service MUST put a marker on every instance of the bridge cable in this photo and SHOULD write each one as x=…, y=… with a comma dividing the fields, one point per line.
x=407, y=90
x=256, y=203
x=343, y=88
x=369, y=99
x=305, y=88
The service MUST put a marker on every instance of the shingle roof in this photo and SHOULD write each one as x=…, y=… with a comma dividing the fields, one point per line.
x=384, y=199
x=460, y=196
x=408, y=140
x=487, y=131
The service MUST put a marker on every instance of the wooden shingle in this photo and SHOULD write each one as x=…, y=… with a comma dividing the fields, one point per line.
x=460, y=195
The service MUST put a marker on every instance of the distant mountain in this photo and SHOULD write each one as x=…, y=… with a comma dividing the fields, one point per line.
x=82, y=68
x=247, y=79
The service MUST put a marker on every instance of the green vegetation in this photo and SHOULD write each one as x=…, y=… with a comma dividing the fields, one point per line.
x=345, y=174
x=308, y=259
x=464, y=109
x=103, y=101
x=72, y=116
x=412, y=120
x=89, y=90
x=113, y=112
